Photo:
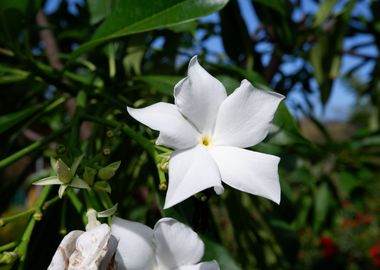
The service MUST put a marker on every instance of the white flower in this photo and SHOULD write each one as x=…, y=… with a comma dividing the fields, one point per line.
x=171, y=245
x=93, y=249
x=208, y=132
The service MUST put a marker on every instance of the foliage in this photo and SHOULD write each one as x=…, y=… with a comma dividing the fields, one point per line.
x=67, y=77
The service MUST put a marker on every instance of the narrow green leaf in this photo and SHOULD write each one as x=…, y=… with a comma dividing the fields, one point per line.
x=131, y=17
x=276, y=5
x=325, y=11
x=163, y=84
x=321, y=205
x=9, y=120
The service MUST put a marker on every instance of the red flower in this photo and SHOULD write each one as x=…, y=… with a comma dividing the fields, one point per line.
x=374, y=253
x=329, y=247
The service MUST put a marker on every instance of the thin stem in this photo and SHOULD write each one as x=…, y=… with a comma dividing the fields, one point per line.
x=50, y=202
x=145, y=143
x=8, y=246
x=22, y=248
x=77, y=204
x=30, y=148
x=105, y=199
x=4, y=221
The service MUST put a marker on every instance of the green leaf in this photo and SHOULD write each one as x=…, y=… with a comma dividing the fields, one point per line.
x=9, y=120
x=99, y=9
x=277, y=5
x=322, y=198
x=163, y=84
x=214, y=251
x=325, y=11
x=131, y=17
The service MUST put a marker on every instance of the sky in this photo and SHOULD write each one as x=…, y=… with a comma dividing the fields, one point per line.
x=342, y=99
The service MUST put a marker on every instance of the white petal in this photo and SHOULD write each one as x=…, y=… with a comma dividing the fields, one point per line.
x=135, y=250
x=66, y=248
x=51, y=180
x=91, y=248
x=61, y=190
x=249, y=171
x=176, y=244
x=79, y=183
x=191, y=171
x=244, y=117
x=175, y=131
x=109, y=262
x=198, y=97
x=213, y=265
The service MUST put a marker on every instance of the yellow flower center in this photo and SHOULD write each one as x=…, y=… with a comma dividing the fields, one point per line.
x=206, y=141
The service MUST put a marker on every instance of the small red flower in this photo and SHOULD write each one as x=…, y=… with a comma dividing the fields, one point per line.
x=374, y=253
x=329, y=247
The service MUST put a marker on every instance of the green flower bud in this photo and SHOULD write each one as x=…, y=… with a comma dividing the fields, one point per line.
x=89, y=175
x=63, y=172
x=106, y=151
x=102, y=186
x=61, y=149
x=109, y=171
x=109, y=133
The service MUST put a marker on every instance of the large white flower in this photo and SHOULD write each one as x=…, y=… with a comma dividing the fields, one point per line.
x=171, y=245
x=208, y=132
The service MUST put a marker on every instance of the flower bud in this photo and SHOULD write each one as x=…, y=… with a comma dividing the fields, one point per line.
x=109, y=171
x=63, y=172
x=89, y=175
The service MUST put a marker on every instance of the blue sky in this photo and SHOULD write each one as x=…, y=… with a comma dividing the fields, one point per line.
x=342, y=98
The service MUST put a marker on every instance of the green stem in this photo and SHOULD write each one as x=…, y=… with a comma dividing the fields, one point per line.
x=50, y=202
x=77, y=204
x=105, y=199
x=22, y=247
x=4, y=221
x=145, y=143
x=30, y=148
x=8, y=246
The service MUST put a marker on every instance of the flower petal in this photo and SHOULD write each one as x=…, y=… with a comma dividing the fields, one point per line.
x=249, y=171
x=66, y=248
x=244, y=117
x=176, y=244
x=135, y=250
x=79, y=183
x=191, y=171
x=198, y=97
x=51, y=180
x=175, y=131
x=213, y=265
x=91, y=248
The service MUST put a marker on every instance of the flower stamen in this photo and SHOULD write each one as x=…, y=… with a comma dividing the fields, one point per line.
x=206, y=141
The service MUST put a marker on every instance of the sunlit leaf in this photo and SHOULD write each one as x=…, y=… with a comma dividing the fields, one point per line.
x=131, y=17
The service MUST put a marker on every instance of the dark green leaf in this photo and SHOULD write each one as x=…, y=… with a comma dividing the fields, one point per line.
x=214, y=251
x=131, y=17
x=9, y=120
x=164, y=84
x=322, y=198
